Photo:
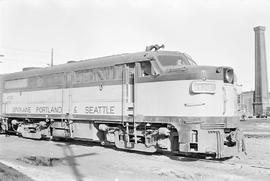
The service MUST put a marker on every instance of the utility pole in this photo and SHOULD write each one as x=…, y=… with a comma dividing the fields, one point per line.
x=52, y=57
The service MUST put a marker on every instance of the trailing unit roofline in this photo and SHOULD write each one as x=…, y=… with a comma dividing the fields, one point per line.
x=89, y=63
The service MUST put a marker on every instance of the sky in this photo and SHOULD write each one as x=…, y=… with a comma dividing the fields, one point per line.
x=213, y=32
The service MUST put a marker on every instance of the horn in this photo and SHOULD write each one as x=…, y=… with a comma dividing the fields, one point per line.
x=156, y=47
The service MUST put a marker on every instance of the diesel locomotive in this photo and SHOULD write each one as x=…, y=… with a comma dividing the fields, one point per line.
x=147, y=101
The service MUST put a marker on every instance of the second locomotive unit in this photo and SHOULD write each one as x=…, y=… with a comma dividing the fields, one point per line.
x=148, y=101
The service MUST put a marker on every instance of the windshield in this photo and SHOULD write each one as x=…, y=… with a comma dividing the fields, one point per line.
x=175, y=61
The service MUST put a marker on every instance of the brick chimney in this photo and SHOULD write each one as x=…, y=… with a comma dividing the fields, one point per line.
x=261, y=101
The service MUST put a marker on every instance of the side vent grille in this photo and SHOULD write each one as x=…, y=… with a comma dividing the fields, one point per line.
x=213, y=126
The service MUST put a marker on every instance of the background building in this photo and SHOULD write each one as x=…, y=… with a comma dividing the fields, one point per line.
x=246, y=103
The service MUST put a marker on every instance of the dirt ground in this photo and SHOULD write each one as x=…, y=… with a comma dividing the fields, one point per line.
x=47, y=160
x=10, y=174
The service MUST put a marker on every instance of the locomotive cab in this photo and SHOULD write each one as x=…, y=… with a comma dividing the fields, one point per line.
x=201, y=101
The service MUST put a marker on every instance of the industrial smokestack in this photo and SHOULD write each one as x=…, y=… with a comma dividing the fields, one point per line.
x=261, y=101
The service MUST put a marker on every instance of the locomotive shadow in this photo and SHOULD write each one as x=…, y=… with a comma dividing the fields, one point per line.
x=173, y=156
x=193, y=158
x=86, y=143
x=178, y=157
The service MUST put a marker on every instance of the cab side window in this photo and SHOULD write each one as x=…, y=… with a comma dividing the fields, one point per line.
x=146, y=69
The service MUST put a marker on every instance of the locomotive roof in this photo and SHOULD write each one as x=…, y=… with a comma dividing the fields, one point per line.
x=90, y=63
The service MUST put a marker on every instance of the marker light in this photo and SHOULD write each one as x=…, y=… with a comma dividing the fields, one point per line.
x=203, y=87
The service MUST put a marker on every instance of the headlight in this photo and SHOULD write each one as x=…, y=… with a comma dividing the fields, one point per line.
x=205, y=87
x=228, y=75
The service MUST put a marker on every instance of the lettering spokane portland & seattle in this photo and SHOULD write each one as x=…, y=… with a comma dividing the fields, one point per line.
x=45, y=109
x=42, y=109
x=21, y=109
x=100, y=110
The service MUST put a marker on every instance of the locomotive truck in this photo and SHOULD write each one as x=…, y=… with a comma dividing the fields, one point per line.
x=147, y=101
